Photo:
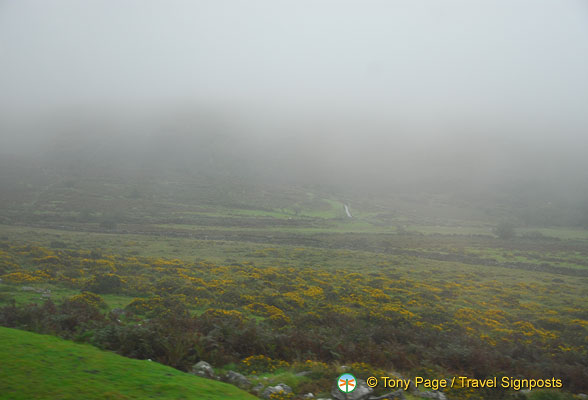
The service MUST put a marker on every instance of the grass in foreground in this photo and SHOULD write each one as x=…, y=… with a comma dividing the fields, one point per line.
x=45, y=367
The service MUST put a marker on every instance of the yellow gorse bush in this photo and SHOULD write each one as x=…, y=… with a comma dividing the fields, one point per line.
x=261, y=364
x=488, y=311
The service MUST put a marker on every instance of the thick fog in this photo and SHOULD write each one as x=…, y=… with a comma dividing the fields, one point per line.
x=471, y=91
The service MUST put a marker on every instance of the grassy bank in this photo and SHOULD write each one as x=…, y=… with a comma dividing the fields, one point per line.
x=45, y=367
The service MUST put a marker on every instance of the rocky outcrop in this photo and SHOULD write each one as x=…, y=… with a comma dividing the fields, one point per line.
x=279, y=388
x=237, y=379
x=361, y=392
x=203, y=369
x=431, y=395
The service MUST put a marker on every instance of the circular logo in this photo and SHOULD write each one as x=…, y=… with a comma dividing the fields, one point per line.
x=346, y=383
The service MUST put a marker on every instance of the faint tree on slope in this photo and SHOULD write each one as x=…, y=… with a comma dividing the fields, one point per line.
x=504, y=230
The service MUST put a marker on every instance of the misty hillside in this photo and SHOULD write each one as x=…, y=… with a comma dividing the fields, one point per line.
x=197, y=163
x=302, y=199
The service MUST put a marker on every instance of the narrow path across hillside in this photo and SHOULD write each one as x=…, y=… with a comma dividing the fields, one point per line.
x=347, y=211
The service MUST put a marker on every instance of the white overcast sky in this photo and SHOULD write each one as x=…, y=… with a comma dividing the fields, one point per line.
x=409, y=60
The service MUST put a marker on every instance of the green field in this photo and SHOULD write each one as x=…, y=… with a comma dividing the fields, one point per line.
x=45, y=367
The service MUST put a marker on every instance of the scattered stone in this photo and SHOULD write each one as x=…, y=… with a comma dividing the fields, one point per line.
x=203, y=369
x=237, y=379
x=582, y=396
x=279, y=388
x=308, y=396
x=118, y=311
x=36, y=290
x=412, y=387
x=258, y=388
x=432, y=395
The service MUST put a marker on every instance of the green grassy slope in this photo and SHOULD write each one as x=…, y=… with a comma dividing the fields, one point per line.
x=36, y=366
